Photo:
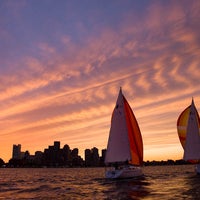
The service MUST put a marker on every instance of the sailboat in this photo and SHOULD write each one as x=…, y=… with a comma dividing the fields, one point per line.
x=124, y=152
x=188, y=126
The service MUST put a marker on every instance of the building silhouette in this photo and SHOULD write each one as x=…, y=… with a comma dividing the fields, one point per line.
x=102, y=158
x=92, y=157
x=88, y=158
x=16, y=154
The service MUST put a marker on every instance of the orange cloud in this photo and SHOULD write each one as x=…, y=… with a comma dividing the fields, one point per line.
x=69, y=95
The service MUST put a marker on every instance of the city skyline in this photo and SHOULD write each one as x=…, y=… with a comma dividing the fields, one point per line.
x=55, y=156
x=62, y=64
x=17, y=152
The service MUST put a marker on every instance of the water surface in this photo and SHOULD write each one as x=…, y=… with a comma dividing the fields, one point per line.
x=159, y=182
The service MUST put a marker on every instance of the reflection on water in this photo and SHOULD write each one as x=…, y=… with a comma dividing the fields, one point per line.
x=192, y=183
x=160, y=182
x=127, y=188
x=174, y=182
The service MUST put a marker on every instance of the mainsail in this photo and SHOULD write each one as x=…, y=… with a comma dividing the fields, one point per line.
x=125, y=140
x=188, y=130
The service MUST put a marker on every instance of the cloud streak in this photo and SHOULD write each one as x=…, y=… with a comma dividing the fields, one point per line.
x=65, y=87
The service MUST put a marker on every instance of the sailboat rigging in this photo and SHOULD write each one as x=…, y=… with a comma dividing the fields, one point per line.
x=125, y=145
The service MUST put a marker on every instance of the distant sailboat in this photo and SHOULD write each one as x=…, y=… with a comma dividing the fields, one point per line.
x=125, y=146
x=188, y=125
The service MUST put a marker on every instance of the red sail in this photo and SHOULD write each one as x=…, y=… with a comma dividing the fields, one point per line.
x=134, y=134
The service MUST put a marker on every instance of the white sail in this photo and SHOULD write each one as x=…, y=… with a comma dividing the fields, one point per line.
x=192, y=145
x=125, y=146
x=118, y=149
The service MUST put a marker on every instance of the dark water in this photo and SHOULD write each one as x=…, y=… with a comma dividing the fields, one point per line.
x=160, y=182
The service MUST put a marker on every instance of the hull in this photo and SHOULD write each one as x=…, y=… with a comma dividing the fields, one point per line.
x=124, y=172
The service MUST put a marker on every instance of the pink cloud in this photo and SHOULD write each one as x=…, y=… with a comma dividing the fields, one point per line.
x=69, y=94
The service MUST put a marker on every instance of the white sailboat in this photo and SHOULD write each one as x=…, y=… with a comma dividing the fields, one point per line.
x=188, y=125
x=125, y=147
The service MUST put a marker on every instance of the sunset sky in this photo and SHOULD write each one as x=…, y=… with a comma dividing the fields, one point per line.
x=62, y=64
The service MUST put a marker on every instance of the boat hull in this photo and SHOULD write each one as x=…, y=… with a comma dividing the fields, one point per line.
x=124, y=172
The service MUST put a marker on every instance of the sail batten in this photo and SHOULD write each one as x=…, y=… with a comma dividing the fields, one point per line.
x=125, y=140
